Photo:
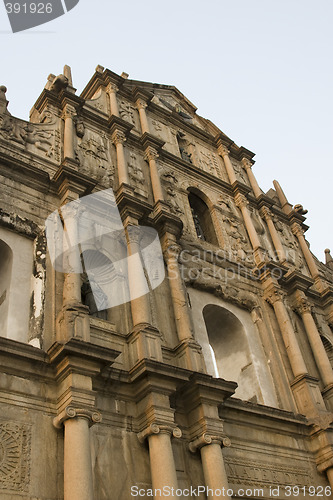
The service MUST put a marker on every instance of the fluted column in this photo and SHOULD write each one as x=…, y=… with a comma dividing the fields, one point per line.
x=118, y=139
x=162, y=463
x=78, y=479
x=247, y=164
x=267, y=216
x=142, y=105
x=275, y=297
x=137, y=281
x=303, y=307
x=213, y=464
x=151, y=156
x=224, y=152
x=298, y=232
x=178, y=296
x=112, y=90
x=68, y=114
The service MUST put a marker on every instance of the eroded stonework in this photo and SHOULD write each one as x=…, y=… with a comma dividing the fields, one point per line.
x=15, y=450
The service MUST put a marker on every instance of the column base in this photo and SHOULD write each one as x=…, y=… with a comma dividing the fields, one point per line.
x=73, y=322
x=308, y=397
x=189, y=355
x=144, y=342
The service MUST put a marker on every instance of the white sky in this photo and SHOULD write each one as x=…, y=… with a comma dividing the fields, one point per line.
x=261, y=70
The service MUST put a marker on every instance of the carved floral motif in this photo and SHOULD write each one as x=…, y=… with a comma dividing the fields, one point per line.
x=15, y=450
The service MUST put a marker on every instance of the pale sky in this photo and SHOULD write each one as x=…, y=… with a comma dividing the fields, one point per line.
x=261, y=70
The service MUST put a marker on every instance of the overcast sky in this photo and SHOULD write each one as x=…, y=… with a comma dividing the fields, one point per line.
x=261, y=70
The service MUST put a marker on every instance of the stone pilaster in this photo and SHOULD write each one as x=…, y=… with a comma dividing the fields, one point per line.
x=68, y=114
x=267, y=216
x=78, y=479
x=151, y=156
x=212, y=463
x=298, y=232
x=242, y=203
x=142, y=105
x=224, y=153
x=247, y=164
x=118, y=138
x=162, y=463
x=303, y=307
x=112, y=90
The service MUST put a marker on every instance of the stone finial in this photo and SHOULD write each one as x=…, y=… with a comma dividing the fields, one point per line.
x=299, y=209
x=124, y=75
x=3, y=100
x=328, y=258
x=285, y=205
x=59, y=83
x=99, y=68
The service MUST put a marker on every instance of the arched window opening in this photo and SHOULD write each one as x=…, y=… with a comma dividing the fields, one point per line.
x=202, y=220
x=230, y=356
x=328, y=348
x=99, y=276
x=6, y=260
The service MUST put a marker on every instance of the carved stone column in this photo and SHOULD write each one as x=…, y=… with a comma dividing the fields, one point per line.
x=253, y=181
x=78, y=480
x=118, y=139
x=267, y=216
x=151, y=156
x=212, y=463
x=136, y=276
x=303, y=307
x=71, y=257
x=224, y=152
x=112, y=90
x=68, y=114
x=162, y=463
x=142, y=105
x=275, y=297
x=298, y=232
x=242, y=203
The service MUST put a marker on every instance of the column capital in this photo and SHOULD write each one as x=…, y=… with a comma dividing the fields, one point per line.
x=154, y=428
x=297, y=230
x=247, y=164
x=301, y=303
x=68, y=111
x=223, y=150
x=118, y=137
x=172, y=252
x=241, y=201
x=141, y=103
x=273, y=295
x=151, y=154
x=93, y=416
x=207, y=439
x=112, y=88
x=265, y=213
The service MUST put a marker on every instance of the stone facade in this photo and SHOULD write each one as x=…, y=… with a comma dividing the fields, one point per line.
x=221, y=376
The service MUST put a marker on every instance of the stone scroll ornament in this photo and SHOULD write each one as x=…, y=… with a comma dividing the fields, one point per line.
x=25, y=14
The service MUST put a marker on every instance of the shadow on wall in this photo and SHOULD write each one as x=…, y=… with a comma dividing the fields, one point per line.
x=6, y=261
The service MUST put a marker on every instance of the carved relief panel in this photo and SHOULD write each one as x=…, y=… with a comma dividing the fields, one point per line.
x=240, y=172
x=41, y=139
x=129, y=113
x=15, y=457
x=99, y=101
x=209, y=162
x=92, y=151
x=170, y=184
x=136, y=172
x=290, y=244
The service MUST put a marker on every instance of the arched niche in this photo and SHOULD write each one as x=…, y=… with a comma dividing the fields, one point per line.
x=201, y=217
x=6, y=262
x=228, y=341
x=229, y=331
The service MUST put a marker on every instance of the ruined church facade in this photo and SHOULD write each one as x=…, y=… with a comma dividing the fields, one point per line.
x=220, y=376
